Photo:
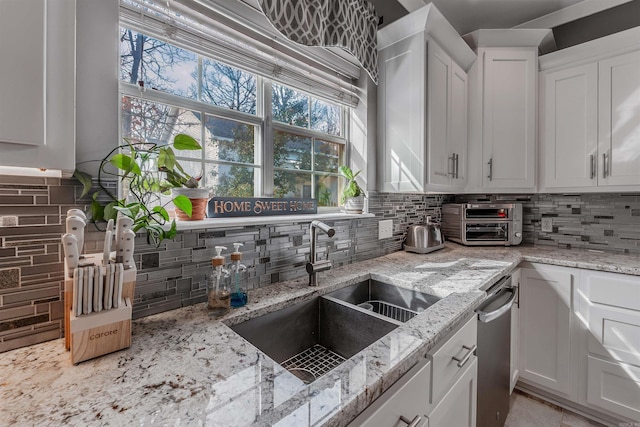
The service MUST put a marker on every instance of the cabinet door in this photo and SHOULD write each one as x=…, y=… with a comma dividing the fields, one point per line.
x=402, y=114
x=545, y=327
x=458, y=126
x=23, y=71
x=570, y=135
x=458, y=406
x=440, y=165
x=619, y=120
x=509, y=119
x=407, y=398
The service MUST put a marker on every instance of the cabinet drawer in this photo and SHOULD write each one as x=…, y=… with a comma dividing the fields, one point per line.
x=614, y=333
x=617, y=290
x=447, y=359
x=614, y=387
x=407, y=398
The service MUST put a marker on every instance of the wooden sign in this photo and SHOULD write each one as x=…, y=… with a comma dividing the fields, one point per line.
x=226, y=207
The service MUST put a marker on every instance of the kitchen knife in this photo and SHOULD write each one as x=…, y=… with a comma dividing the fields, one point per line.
x=75, y=226
x=97, y=288
x=71, y=255
x=127, y=247
x=106, y=251
x=123, y=223
x=77, y=212
x=87, y=290
x=107, y=300
x=110, y=226
x=78, y=282
x=117, y=287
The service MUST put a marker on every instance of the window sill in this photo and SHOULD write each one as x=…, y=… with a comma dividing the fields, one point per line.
x=266, y=220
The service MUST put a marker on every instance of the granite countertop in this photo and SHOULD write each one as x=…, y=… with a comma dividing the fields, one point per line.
x=184, y=368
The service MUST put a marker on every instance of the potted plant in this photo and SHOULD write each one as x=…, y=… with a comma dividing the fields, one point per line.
x=352, y=195
x=148, y=170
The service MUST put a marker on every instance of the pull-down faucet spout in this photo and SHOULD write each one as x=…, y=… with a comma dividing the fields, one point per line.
x=314, y=266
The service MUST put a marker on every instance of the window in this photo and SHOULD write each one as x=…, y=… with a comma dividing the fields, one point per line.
x=243, y=122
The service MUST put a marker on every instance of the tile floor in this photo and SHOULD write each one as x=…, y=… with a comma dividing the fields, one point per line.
x=529, y=412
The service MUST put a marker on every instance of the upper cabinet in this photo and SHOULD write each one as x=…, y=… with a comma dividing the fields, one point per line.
x=422, y=104
x=590, y=128
x=37, y=91
x=503, y=125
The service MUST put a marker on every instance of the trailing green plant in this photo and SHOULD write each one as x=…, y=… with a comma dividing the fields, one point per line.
x=352, y=189
x=146, y=170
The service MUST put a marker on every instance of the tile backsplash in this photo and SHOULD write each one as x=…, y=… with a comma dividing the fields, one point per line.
x=32, y=213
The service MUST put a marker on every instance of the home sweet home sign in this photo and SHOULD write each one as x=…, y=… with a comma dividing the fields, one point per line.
x=226, y=207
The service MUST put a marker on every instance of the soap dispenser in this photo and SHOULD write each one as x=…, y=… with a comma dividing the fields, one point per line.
x=218, y=294
x=238, y=278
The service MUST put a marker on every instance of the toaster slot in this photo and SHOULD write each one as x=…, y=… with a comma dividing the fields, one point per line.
x=497, y=232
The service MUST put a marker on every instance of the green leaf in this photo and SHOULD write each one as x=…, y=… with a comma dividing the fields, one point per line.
x=346, y=172
x=97, y=211
x=125, y=211
x=85, y=180
x=184, y=204
x=125, y=163
x=110, y=212
x=172, y=231
x=185, y=142
x=166, y=159
x=162, y=211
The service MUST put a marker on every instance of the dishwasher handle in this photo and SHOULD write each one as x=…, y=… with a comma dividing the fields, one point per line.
x=488, y=316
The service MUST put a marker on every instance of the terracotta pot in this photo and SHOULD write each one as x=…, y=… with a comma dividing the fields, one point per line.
x=199, y=198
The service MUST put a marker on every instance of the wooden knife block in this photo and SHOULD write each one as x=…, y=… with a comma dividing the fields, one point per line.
x=98, y=333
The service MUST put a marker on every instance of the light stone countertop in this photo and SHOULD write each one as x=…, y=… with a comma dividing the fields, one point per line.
x=185, y=369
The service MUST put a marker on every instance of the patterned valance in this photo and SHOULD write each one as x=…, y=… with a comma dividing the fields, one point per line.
x=349, y=24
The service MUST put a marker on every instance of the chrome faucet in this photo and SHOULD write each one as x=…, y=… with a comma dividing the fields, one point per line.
x=314, y=266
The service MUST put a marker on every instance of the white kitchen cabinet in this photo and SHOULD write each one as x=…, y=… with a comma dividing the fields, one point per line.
x=515, y=331
x=458, y=406
x=570, y=129
x=610, y=306
x=546, y=318
x=590, y=129
x=405, y=400
x=422, y=104
x=509, y=118
x=37, y=90
x=619, y=119
x=441, y=390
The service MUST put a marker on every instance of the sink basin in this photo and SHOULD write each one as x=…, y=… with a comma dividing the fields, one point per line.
x=313, y=337
x=388, y=300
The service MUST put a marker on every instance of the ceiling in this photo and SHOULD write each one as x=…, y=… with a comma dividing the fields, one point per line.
x=470, y=15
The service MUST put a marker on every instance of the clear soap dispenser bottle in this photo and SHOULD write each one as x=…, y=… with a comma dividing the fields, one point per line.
x=218, y=293
x=238, y=278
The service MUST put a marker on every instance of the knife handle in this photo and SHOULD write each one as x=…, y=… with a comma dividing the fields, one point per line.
x=126, y=248
x=77, y=212
x=75, y=226
x=71, y=254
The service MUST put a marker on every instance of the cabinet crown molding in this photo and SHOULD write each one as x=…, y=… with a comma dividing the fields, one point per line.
x=429, y=19
x=513, y=37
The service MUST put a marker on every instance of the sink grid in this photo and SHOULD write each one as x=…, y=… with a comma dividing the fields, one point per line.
x=312, y=363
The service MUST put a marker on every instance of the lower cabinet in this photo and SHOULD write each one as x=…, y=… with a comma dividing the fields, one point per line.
x=440, y=390
x=580, y=338
x=546, y=317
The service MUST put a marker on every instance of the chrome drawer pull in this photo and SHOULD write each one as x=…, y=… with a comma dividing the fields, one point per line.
x=463, y=360
x=413, y=423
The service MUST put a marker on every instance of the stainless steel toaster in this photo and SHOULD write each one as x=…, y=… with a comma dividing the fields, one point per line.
x=424, y=238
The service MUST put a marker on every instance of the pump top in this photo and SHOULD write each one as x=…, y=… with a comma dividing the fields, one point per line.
x=218, y=260
x=236, y=255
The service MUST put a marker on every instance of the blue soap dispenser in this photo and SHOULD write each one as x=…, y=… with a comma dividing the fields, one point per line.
x=238, y=278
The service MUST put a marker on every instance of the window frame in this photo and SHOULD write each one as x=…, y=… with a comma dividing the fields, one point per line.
x=265, y=126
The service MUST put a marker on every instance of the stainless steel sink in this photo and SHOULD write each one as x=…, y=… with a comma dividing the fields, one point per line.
x=388, y=300
x=313, y=337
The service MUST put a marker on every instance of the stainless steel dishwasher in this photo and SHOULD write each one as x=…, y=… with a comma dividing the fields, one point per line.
x=494, y=354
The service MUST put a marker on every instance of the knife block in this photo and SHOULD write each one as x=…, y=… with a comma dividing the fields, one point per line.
x=92, y=335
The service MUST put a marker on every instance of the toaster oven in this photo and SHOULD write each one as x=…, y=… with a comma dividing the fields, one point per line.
x=483, y=224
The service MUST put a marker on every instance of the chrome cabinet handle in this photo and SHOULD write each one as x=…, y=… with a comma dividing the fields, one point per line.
x=490, y=163
x=605, y=170
x=592, y=166
x=413, y=423
x=457, y=165
x=451, y=158
x=463, y=360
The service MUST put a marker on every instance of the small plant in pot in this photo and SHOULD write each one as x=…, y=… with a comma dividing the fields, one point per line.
x=147, y=171
x=352, y=195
